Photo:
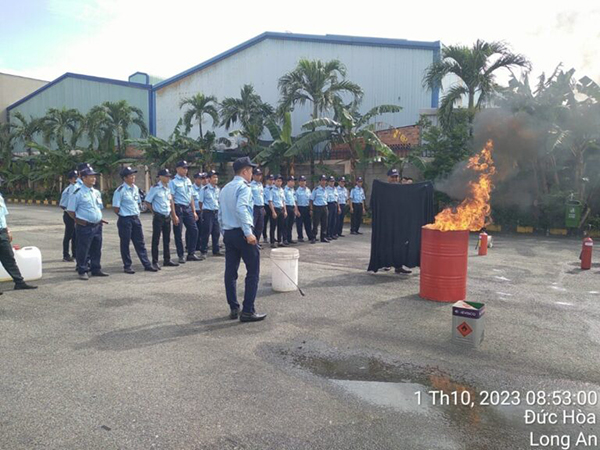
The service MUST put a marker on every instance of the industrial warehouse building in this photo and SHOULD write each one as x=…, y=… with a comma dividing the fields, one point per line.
x=14, y=88
x=390, y=71
x=83, y=92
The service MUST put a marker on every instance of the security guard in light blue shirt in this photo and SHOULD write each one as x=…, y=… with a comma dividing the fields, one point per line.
x=69, y=236
x=289, y=194
x=303, y=201
x=267, y=194
x=318, y=208
x=236, y=219
x=185, y=208
x=7, y=256
x=357, y=206
x=258, y=199
x=198, y=192
x=85, y=206
x=342, y=204
x=333, y=209
x=126, y=203
x=278, y=213
x=160, y=202
x=210, y=215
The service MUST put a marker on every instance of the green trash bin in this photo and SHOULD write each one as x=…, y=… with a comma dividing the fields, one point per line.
x=573, y=214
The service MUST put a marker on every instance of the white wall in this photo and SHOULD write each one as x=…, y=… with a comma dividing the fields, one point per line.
x=387, y=75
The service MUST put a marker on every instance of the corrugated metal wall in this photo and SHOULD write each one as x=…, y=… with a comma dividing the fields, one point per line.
x=83, y=95
x=388, y=75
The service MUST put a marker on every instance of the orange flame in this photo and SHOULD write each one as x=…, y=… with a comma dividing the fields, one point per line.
x=473, y=210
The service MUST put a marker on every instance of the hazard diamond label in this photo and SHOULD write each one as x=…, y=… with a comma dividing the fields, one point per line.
x=464, y=329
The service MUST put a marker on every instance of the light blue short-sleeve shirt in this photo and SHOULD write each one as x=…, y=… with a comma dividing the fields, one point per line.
x=211, y=198
x=160, y=197
x=181, y=188
x=86, y=203
x=127, y=199
x=3, y=212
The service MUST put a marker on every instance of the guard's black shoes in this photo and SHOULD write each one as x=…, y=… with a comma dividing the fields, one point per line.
x=193, y=258
x=170, y=264
x=218, y=254
x=181, y=260
x=300, y=240
x=84, y=276
x=402, y=270
x=313, y=241
x=274, y=245
x=292, y=242
x=99, y=274
x=252, y=317
x=358, y=232
x=353, y=232
x=234, y=314
x=129, y=270
x=341, y=235
x=156, y=266
x=325, y=241
x=68, y=259
x=21, y=286
x=151, y=269
x=284, y=244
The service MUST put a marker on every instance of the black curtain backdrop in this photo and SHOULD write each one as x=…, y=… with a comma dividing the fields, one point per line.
x=399, y=211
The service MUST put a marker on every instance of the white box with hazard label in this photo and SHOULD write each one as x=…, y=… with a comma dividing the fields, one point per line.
x=468, y=323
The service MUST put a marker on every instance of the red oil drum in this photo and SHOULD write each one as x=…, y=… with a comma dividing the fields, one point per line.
x=444, y=265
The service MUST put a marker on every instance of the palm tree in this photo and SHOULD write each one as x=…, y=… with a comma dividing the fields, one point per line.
x=114, y=119
x=347, y=127
x=200, y=105
x=58, y=123
x=274, y=156
x=250, y=112
x=475, y=67
x=319, y=83
x=26, y=129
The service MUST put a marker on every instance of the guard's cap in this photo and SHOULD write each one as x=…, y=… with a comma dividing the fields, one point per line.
x=271, y=177
x=127, y=171
x=331, y=178
x=342, y=179
x=393, y=173
x=82, y=166
x=257, y=171
x=203, y=176
x=279, y=177
x=164, y=173
x=359, y=179
x=88, y=171
x=72, y=174
x=182, y=163
x=198, y=175
x=210, y=173
x=240, y=163
x=291, y=178
x=302, y=178
x=323, y=177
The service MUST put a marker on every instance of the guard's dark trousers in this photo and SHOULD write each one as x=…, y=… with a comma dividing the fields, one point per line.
x=7, y=258
x=259, y=220
x=130, y=230
x=304, y=220
x=340, y=220
x=186, y=217
x=289, y=223
x=357, y=215
x=267, y=222
x=320, y=218
x=161, y=225
x=277, y=224
x=331, y=219
x=199, y=227
x=210, y=228
x=69, y=236
x=238, y=249
x=89, y=248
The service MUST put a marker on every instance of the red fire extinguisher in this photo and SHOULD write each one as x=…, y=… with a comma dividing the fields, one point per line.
x=483, y=243
x=586, y=253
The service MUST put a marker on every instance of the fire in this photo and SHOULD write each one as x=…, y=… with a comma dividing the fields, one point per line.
x=473, y=210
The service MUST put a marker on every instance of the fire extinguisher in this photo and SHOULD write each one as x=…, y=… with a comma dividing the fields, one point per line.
x=586, y=253
x=483, y=243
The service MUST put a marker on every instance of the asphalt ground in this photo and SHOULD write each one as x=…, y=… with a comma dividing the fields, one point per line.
x=151, y=360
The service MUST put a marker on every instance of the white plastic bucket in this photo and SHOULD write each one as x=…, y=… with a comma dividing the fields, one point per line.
x=283, y=268
x=29, y=260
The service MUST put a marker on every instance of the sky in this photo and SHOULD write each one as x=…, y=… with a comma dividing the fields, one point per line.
x=114, y=38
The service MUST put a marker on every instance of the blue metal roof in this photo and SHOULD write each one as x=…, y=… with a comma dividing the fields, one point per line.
x=80, y=77
x=328, y=39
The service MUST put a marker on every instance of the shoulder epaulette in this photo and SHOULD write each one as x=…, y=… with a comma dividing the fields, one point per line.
x=76, y=189
x=119, y=188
